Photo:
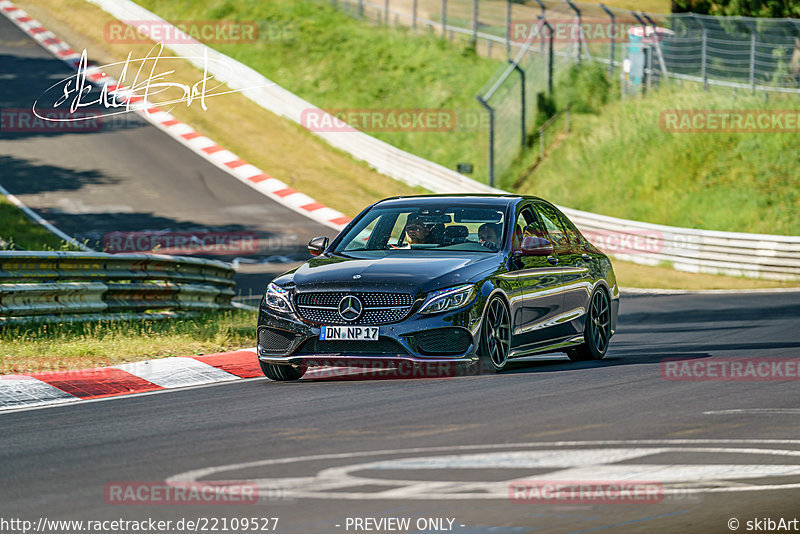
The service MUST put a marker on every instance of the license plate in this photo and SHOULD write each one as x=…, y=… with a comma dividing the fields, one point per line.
x=349, y=333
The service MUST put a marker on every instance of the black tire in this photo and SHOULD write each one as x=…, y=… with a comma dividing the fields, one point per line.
x=495, y=342
x=597, y=332
x=282, y=373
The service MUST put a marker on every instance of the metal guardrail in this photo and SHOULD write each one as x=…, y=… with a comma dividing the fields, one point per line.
x=772, y=257
x=75, y=286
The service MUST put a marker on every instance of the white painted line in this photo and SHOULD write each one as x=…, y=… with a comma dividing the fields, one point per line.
x=756, y=411
x=731, y=467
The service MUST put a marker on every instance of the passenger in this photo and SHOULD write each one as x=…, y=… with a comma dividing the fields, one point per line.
x=489, y=237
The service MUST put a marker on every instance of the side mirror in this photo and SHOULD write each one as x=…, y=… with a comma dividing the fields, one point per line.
x=536, y=246
x=317, y=245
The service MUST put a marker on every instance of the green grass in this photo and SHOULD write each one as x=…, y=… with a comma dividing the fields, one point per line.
x=337, y=62
x=622, y=163
x=26, y=349
x=19, y=231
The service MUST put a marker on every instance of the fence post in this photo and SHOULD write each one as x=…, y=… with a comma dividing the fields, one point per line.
x=657, y=43
x=613, y=29
x=386, y=12
x=522, y=101
x=580, y=31
x=549, y=64
x=361, y=8
x=703, y=51
x=541, y=17
x=491, y=139
x=444, y=19
x=414, y=15
x=752, y=58
x=703, y=59
x=508, y=28
x=475, y=21
x=649, y=67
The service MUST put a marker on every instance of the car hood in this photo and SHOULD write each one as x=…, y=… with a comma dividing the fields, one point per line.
x=401, y=271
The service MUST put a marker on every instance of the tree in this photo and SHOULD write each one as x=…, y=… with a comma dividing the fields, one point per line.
x=747, y=8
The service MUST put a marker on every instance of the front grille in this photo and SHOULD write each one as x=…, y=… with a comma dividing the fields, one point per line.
x=442, y=341
x=384, y=346
x=379, y=308
x=275, y=341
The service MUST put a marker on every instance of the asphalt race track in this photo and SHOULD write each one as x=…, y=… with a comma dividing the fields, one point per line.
x=478, y=432
x=128, y=175
x=327, y=455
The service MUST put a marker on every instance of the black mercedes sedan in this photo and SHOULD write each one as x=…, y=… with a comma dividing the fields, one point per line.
x=441, y=279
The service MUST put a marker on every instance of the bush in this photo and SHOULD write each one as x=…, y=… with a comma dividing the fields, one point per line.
x=585, y=86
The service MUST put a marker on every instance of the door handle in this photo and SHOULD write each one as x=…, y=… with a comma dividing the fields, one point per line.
x=586, y=257
x=553, y=260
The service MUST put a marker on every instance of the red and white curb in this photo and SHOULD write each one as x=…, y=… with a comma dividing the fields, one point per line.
x=182, y=132
x=60, y=387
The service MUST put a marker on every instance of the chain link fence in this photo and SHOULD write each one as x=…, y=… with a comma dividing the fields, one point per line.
x=541, y=39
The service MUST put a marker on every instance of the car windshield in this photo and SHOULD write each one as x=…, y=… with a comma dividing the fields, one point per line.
x=427, y=228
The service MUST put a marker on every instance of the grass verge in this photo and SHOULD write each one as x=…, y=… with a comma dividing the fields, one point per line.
x=28, y=349
x=640, y=276
x=17, y=231
x=621, y=162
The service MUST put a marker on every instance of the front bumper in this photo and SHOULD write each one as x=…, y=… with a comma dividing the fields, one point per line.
x=398, y=342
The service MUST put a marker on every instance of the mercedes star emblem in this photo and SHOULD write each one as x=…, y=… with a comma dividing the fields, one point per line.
x=350, y=308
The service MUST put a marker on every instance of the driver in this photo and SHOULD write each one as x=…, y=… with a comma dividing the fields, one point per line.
x=416, y=231
x=489, y=236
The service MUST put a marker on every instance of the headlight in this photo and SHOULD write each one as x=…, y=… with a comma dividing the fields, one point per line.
x=449, y=299
x=277, y=298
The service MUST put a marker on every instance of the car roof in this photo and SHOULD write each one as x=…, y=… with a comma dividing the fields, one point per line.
x=462, y=199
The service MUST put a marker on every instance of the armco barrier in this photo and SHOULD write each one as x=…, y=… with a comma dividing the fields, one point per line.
x=70, y=286
x=773, y=257
x=763, y=256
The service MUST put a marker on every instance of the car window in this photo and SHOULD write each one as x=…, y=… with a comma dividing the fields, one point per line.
x=524, y=220
x=363, y=237
x=574, y=236
x=428, y=227
x=550, y=221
